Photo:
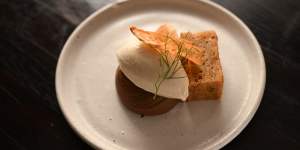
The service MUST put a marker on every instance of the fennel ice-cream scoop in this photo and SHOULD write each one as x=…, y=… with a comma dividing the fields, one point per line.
x=142, y=66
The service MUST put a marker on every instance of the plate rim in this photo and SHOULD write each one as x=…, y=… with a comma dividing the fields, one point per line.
x=217, y=145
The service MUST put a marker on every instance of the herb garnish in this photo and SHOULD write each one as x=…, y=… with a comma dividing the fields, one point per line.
x=169, y=64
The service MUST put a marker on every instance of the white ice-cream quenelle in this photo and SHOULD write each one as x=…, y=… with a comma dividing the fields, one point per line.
x=141, y=65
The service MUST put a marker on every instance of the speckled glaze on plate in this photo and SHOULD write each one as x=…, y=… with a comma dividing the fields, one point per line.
x=85, y=79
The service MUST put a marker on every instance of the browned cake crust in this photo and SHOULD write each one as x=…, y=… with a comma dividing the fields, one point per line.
x=206, y=80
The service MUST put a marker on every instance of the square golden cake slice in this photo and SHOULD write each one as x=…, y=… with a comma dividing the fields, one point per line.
x=205, y=80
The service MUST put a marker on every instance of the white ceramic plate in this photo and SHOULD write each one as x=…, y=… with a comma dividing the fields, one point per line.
x=85, y=79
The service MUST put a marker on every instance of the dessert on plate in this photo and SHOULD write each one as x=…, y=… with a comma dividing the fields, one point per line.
x=160, y=68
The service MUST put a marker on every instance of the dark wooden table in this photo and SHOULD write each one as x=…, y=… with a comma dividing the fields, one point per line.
x=32, y=33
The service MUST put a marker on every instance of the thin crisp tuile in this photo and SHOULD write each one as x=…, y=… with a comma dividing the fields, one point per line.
x=157, y=41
